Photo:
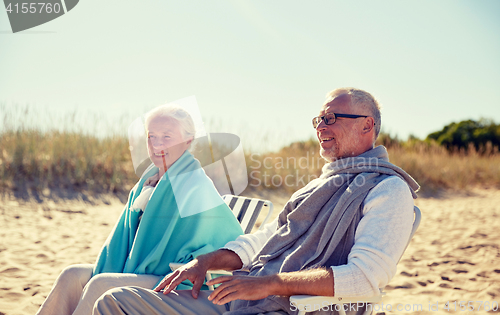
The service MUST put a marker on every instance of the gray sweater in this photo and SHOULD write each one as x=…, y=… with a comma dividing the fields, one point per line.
x=319, y=226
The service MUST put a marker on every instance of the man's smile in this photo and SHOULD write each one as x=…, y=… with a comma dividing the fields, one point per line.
x=324, y=139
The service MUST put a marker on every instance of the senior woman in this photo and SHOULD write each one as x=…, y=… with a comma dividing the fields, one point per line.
x=173, y=214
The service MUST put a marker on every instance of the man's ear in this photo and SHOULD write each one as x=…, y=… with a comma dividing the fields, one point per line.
x=368, y=124
x=189, y=141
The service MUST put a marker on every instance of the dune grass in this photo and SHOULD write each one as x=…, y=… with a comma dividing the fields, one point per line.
x=34, y=160
x=434, y=167
x=31, y=159
x=431, y=165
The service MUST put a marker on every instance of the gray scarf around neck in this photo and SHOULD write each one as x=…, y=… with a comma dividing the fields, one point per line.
x=316, y=227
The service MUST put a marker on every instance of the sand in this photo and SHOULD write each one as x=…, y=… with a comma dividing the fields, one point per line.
x=454, y=255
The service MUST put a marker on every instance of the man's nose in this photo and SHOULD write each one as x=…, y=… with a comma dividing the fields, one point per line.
x=321, y=125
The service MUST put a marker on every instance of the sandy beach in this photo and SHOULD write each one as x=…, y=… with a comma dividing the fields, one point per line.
x=454, y=256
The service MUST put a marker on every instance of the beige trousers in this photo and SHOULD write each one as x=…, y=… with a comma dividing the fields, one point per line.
x=139, y=301
x=75, y=290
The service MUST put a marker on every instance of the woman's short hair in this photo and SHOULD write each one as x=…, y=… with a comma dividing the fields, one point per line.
x=176, y=112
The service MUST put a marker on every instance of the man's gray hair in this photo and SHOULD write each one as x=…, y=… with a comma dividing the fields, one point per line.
x=176, y=112
x=363, y=100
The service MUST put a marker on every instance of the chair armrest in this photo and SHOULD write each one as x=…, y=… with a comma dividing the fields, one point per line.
x=175, y=266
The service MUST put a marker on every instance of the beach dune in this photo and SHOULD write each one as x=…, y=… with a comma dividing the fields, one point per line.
x=454, y=256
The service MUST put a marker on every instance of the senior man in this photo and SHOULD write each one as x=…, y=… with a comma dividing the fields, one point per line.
x=340, y=235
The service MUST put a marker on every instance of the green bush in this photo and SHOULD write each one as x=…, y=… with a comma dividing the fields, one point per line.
x=484, y=135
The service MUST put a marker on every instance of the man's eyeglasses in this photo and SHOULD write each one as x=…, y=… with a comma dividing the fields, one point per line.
x=330, y=118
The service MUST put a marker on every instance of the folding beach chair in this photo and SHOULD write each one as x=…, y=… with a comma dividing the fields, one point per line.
x=310, y=303
x=246, y=210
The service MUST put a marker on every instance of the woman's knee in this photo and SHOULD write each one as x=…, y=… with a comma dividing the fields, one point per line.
x=76, y=273
x=102, y=283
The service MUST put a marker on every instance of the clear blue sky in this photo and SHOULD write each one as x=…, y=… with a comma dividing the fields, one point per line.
x=261, y=67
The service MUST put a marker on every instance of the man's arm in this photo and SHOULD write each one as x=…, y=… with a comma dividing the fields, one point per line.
x=371, y=263
x=248, y=245
x=380, y=240
x=310, y=282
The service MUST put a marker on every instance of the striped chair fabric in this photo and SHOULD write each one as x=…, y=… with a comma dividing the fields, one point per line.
x=247, y=210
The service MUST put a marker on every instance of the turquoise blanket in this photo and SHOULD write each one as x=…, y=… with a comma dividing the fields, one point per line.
x=184, y=218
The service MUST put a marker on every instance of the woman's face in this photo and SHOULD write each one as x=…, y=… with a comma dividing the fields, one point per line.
x=166, y=141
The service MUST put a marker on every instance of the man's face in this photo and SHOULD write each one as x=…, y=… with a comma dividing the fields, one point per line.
x=166, y=142
x=340, y=139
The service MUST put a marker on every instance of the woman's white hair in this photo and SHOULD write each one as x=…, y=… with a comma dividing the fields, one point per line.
x=176, y=112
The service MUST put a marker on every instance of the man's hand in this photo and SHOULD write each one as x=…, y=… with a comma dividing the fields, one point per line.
x=196, y=270
x=242, y=288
